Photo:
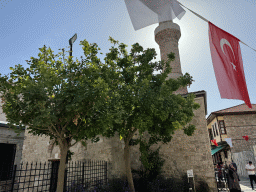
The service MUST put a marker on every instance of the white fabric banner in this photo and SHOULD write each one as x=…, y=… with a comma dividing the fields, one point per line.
x=147, y=12
x=229, y=141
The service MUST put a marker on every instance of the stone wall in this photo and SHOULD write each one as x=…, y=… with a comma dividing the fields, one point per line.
x=107, y=149
x=181, y=154
x=241, y=159
x=238, y=126
x=190, y=152
x=10, y=137
x=242, y=151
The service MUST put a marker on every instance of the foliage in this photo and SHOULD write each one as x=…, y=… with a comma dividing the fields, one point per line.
x=142, y=97
x=76, y=188
x=151, y=161
x=71, y=100
x=52, y=93
x=64, y=99
x=172, y=184
x=114, y=184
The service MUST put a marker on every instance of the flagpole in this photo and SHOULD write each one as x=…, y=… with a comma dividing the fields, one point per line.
x=209, y=21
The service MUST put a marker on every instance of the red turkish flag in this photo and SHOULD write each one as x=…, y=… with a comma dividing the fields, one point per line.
x=246, y=137
x=228, y=65
x=214, y=142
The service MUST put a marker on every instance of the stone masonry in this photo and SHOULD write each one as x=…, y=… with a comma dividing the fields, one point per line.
x=238, y=126
x=167, y=35
x=8, y=136
x=184, y=152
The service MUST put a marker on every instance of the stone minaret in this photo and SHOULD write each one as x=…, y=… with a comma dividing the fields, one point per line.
x=167, y=35
x=185, y=152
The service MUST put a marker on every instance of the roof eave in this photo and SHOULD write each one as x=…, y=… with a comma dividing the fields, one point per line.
x=199, y=94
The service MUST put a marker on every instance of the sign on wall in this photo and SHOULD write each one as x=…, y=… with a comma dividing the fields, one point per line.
x=190, y=173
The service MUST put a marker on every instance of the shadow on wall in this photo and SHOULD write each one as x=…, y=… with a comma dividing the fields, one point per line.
x=172, y=184
x=200, y=184
x=160, y=184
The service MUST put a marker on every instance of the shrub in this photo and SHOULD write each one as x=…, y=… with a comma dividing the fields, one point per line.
x=115, y=184
x=160, y=184
x=151, y=162
x=78, y=187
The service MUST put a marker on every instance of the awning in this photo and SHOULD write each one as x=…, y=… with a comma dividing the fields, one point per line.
x=215, y=150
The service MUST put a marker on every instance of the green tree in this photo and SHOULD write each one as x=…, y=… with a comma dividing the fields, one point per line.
x=144, y=101
x=61, y=98
x=151, y=161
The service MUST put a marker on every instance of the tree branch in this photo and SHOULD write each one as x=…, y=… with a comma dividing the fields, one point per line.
x=36, y=128
x=63, y=128
x=56, y=132
x=134, y=130
x=41, y=129
x=130, y=135
x=74, y=143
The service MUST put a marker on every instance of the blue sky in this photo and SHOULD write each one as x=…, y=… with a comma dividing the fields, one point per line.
x=28, y=25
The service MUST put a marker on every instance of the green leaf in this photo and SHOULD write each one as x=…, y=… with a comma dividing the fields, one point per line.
x=83, y=143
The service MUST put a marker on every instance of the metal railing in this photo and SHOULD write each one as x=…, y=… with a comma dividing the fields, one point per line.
x=222, y=180
x=43, y=177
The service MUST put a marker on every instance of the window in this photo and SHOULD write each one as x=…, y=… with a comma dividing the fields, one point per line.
x=222, y=127
x=210, y=134
x=7, y=161
x=213, y=130
x=216, y=129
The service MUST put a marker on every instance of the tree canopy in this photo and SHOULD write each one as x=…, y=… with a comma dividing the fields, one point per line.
x=61, y=98
x=144, y=98
x=79, y=100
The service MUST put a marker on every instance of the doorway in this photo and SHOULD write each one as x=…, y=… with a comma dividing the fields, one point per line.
x=7, y=160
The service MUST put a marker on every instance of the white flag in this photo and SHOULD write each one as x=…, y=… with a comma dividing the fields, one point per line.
x=229, y=141
x=147, y=12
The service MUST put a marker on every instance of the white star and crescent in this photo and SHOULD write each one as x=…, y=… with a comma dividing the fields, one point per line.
x=222, y=43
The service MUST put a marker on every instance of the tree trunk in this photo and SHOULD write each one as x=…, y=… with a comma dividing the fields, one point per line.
x=127, y=160
x=61, y=172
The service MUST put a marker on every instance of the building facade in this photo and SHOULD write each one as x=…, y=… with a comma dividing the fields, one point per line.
x=234, y=123
x=11, y=146
x=217, y=131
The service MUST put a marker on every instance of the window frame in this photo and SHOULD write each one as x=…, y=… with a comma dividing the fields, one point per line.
x=213, y=130
x=216, y=128
x=210, y=134
x=222, y=128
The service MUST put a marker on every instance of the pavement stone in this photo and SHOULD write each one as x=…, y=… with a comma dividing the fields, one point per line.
x=245, y=184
